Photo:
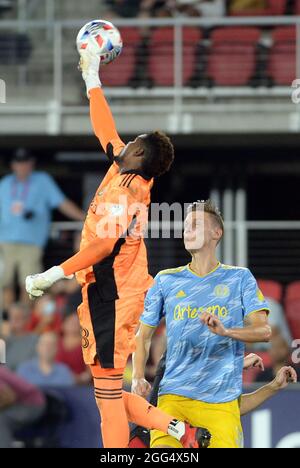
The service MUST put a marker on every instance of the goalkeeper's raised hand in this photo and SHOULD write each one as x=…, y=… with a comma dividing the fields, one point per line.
x=37, y=285
x=89, y=66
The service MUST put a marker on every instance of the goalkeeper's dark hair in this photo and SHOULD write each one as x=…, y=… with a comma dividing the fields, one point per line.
x=159, y=154
x=208, y=206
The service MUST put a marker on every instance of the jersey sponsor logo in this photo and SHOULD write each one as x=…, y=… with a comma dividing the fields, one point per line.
x=221, y=290
x=192, y=313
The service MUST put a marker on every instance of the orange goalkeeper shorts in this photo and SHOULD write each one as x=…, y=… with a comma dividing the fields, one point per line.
x=108, y=327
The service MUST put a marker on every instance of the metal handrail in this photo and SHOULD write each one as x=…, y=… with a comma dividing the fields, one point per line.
x=249, y=225
x=179, y=21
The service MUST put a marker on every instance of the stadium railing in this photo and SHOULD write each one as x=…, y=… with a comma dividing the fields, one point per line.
x=279, y=243
x=178, y=68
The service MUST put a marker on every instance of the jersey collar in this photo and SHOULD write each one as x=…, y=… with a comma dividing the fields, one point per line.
x=136, y=172
x=199, y=276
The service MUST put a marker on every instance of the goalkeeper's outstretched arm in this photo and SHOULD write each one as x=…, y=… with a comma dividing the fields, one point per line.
x=104, y=124
x=101, y=116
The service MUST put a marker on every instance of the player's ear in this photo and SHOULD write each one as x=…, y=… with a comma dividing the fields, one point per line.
x=139, y=152
x=217, y=234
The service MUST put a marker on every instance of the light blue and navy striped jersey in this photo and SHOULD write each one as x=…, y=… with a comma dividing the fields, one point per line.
x=200, y=365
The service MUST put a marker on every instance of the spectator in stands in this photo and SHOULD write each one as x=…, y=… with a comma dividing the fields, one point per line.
x=68, y=292
x=27, y=198
x=123, y=8
x=277, y=321
x=212, y=8
x=21, y=404
x=44, y=317
x=70, y=352
x=157, y=8
x=20, y=344
x=183, y=7
x=280, y=354
x=240, y=6
x=44, y=371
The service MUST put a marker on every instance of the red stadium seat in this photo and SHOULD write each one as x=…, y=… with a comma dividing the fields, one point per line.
x=282, y=60
x=122, y=70
x=161, y=55
x=293, y=292
x=292, y=309
x=232, y=58
x=274, y=8
x=271, y=289
x=277, y=7
x=297, y=7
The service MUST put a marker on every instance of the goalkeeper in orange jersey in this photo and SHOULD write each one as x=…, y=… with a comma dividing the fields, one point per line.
x=113, y=271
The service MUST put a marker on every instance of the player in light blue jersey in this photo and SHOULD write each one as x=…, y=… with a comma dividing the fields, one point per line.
x=211, y=311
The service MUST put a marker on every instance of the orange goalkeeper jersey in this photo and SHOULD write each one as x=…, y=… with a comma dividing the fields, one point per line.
x=113, y=251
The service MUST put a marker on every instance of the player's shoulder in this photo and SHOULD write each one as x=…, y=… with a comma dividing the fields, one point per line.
x=239, y=271
x=233, y=268
x=171, y=272
x=134, y=184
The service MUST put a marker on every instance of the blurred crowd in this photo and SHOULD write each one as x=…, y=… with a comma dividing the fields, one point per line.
x=43, y=338
x=196, y=8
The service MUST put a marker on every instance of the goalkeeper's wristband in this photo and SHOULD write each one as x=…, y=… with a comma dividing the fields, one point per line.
x=92, y=82
x=55, y=274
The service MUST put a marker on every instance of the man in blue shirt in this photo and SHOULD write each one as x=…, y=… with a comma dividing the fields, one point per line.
x=211, y=310
x=27, y=198
x=43, y=371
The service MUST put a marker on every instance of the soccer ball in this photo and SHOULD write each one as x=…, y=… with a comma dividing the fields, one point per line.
x=103, y=37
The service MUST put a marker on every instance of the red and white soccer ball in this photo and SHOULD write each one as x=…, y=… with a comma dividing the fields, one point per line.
x=103, y=37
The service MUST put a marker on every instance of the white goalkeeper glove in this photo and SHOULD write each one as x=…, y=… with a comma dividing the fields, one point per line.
x=90, y=65
x=37, y=285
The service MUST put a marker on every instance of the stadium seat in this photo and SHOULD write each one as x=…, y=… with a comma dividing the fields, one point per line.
x=161, y=55
x=292, y=308
x=271, y=289
x=297, y=7
x=274, y=8
x=293, y=291
x=122, y=71
x=232, y=57
x=281, y=66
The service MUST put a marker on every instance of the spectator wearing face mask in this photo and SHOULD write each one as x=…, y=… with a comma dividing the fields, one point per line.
x=45, y=317
x=44, y=371
x=20, y=344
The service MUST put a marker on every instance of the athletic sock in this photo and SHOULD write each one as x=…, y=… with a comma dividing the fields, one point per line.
x=140, y=412
x=109, y=399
